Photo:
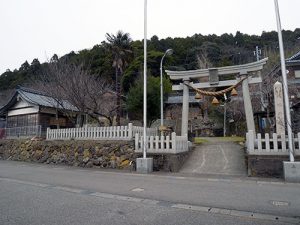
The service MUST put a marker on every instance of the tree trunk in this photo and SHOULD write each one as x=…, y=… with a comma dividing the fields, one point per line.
x=118, y=92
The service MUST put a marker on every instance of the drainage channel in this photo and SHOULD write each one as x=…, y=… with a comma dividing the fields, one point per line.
x=204, y=209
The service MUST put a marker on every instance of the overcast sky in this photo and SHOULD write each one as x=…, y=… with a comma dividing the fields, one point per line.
x=39, y=28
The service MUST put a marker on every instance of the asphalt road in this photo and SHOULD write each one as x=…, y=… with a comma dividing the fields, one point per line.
x=44, y=194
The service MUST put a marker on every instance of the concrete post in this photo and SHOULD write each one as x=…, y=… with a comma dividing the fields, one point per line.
x=130, y=131
x=248, y=106
x=279, y=108
x=185, y=109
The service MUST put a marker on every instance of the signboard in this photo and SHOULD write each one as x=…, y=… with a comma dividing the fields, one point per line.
x=213, y=77
x=59, y=121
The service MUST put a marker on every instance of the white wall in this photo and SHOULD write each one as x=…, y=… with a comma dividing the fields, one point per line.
x=21, y=108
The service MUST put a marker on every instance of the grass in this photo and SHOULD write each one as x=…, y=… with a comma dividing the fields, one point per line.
x=233, y=139
x=199, y=140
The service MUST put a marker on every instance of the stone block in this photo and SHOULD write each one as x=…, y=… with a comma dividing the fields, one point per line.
x=291, y=171
x=144, y=165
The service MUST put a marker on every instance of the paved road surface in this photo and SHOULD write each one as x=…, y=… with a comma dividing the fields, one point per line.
x=44, y=194
x=217, y=157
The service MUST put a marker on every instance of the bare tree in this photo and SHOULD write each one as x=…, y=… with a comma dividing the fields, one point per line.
x=72, y=85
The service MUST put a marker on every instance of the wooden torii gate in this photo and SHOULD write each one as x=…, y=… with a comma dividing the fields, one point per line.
x=213, y=75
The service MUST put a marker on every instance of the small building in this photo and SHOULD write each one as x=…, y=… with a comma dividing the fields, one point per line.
x=295, y=113
x=29, y=112
x=293, y=80
x=293, y=76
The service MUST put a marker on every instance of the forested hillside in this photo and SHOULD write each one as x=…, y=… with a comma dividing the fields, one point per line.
x=88, y=78
x=189, y=53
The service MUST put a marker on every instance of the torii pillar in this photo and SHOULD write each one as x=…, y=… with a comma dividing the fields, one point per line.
x=248, y=106
x=185, y=108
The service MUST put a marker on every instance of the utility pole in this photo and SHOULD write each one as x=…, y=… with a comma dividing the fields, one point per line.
x=285, y=85
x=257, y=53
x=145, y=81
x=145, y=165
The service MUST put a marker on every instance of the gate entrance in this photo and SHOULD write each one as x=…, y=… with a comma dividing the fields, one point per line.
x=243, y=74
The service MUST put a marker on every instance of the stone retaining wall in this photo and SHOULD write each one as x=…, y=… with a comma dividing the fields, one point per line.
x=102, y=154
x=168, y=162
x=266, y=166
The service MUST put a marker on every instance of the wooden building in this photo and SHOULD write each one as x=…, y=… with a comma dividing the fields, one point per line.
x=30, y=112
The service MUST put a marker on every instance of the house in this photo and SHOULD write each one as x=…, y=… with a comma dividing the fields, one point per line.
x=29, y=112
x=293, y=78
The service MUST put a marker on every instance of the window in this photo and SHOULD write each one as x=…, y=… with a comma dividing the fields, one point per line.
x=22, y=120
x=297, y=73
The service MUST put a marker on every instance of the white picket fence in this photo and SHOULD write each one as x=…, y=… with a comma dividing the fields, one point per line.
x=162, y=144
x=97, y=133
x=140, y=131
x=274, y=144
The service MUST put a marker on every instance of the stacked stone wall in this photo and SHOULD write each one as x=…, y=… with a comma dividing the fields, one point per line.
x=102, y=154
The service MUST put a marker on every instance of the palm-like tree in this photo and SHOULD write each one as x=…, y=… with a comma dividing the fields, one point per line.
x=120, y=47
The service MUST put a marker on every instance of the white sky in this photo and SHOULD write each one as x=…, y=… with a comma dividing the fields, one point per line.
x=39, y=28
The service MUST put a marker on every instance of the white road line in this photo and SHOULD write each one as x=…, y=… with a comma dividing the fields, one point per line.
x=237, y=213
x=225, y=157
x=24, y=182
x=68, y=189
x=198, y=169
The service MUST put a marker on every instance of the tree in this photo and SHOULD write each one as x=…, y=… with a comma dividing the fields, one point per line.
x=25, y=66
x=135, y=98
x=119, y=46
x=70, y=83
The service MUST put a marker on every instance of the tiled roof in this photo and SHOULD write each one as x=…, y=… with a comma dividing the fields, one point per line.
x=295, y=57
x=38, y=98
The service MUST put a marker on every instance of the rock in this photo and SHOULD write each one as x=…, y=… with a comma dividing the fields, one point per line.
x=125, y=163
x=54, y=158
x=87, y=154
x=80, y=150
x=98, y=161
x=86, y=159
x=113, y=164
x=24, y=155
x=37, y=155
x=89, y=164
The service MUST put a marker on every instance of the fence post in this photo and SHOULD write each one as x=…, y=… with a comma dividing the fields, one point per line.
x=298, y=137
x=151, y=143
x=48, y=133
x=130, y=131
x=251, y=141
x=136, y=140
x=162, y=143
x=275, y=142
x=156, y=143
x=259, y=142
x=173, y=139
x=267, y=141
x=168, y=143
x=283, y=142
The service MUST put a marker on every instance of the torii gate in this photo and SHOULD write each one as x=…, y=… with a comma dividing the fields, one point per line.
x=241, y=71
